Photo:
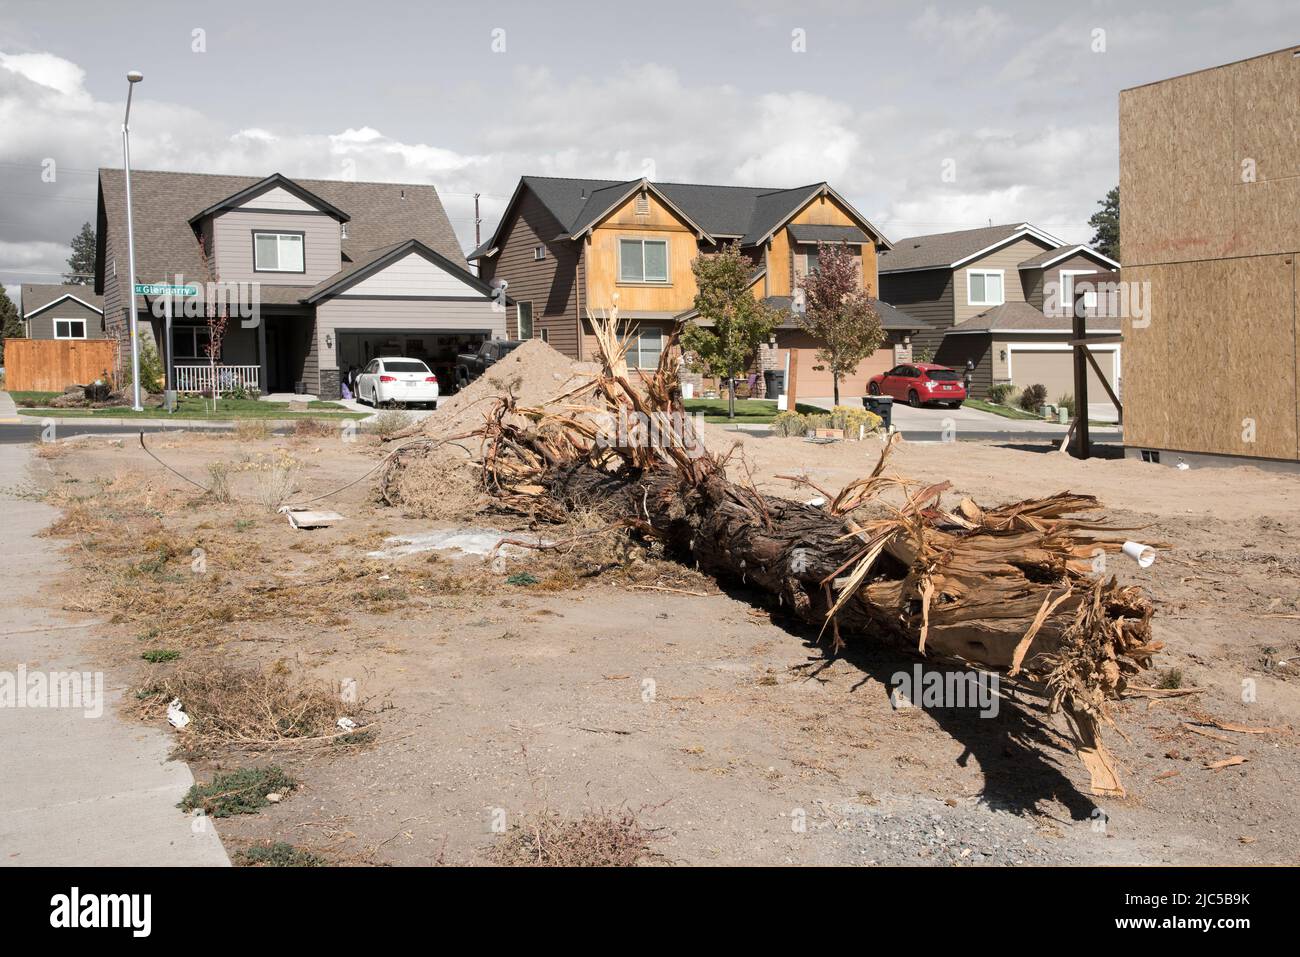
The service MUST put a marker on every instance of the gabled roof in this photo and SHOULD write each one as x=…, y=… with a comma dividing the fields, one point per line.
x=748, y=214
x=271, y=182
x=37, y=297
x=827, y=234
x=378, y=259
x=1050, y=257
x=1023, y=317
x=892, y=319
x=166, y=244
x=950, y=250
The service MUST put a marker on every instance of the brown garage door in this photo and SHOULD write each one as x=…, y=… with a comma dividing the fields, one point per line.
x=1055, y=370
x=814, y=382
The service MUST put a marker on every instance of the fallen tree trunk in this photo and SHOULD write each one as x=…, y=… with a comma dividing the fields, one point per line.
x=1013, y=589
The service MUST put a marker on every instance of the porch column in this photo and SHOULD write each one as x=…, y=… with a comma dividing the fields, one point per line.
x=264, y=384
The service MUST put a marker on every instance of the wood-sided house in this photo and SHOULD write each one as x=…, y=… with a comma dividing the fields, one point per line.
x=566, y=246
x=992, y=296
x=346, y=271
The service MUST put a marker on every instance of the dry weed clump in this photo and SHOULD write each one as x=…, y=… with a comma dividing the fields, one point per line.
x=599, y=838
x=277, y=485
x=252, y=430
x=389, y=422
x=446, y=489
x=313, y=428
x=219, y=482
x=246, y=709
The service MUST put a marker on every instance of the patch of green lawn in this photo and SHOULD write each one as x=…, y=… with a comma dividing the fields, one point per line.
x=1006, y=411
x=197, y=407
x=748, y=411
x=32, y=398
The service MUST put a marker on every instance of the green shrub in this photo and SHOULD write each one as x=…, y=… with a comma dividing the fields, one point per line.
x=157, y=656
x=818, y=420
x=238, y=792
x=1033, y=397
x=789, y=424
x=849, y=418
x=1067, y=403
x=1001, y=393
x=151, y=368
x=278, y=854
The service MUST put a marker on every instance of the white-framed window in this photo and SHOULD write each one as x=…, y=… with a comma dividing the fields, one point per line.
x=643, y=260
x=69, y=328
x=278, y=252
x=984, y=287
x=546, y=334
x=645, y=348
x=1067, y=291
x=525, y=311
x=539, y=253
x=190, y=343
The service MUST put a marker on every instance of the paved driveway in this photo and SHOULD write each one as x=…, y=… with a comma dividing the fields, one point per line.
x=939, y=418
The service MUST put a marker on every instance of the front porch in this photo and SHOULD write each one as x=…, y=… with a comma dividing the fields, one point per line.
x=271, y=356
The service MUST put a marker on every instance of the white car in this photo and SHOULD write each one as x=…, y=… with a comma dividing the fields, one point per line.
x=397, y=379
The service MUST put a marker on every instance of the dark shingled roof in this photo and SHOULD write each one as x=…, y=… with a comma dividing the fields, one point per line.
x=1021, y=316
x=940, y=250
x=32, y=296
x=827, y=234
x=382, y=215
x=745, y=212
x=892, y=319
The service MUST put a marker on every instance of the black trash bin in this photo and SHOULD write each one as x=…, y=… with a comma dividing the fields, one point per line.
x=774, y=382
x=881, y=405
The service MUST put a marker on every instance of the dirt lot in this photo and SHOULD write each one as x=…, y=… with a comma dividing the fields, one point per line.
x=648, y=690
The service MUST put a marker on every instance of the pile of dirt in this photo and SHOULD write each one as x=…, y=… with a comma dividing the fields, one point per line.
x=534, y=373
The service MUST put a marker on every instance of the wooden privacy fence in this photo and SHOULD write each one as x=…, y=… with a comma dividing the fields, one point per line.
x=51, y=365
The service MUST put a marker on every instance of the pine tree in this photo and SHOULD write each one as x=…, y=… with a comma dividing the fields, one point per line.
x=1105, y=222
x=11, y=324
x=81, y=264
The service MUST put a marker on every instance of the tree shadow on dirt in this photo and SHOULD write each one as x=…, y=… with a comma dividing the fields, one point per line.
x=1020, y=752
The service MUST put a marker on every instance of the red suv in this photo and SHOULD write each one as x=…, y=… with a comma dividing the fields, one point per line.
x=920, y=382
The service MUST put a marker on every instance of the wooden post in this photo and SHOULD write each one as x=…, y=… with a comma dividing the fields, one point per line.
x=1082, y=447
x=791, y=402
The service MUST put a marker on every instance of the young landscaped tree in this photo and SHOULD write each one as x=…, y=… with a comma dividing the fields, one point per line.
x=838, y=313
x=739, y=322
x=1105, y=222
x=11, y=324
x=81, y=264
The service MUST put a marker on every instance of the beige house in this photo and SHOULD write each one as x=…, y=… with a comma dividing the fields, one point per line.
x=993, y=297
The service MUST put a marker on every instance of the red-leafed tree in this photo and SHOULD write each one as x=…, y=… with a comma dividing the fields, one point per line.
x=839, y=313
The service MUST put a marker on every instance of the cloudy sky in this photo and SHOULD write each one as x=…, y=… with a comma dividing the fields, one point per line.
x=1015, y=102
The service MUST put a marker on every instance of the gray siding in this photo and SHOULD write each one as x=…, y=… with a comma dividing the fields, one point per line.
x=925, y=296
x=553, y=285
x=41, y=326
x=955, y=350
x=1035, y=280
x=233, y=246
x=1008, y=259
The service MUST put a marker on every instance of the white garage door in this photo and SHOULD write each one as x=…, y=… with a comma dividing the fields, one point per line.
x=1054, y=368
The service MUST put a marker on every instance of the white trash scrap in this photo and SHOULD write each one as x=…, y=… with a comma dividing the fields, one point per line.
x=471, y=541
x=176, y=715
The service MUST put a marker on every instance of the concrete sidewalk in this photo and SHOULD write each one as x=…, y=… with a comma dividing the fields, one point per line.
x=76, y=789
x=8, y=411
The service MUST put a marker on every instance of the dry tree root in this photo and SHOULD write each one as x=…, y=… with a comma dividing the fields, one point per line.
x=1008, y=589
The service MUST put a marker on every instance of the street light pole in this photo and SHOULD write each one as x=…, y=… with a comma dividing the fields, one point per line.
x=132, y=79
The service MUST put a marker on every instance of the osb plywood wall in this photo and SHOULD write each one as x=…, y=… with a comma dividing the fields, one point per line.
x=1210, y=217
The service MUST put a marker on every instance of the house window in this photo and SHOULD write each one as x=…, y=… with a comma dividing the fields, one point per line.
x=277, y=252
x=812, y=261
x=539, y=253
x=190, y=343
x=643, y=260
x=546, y=334
x=525, y=312
x=69, y=328
x=984, y=287
x=1067, y=292
x=644, y=350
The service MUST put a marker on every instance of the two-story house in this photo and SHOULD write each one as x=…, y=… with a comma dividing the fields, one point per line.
x=991, y=297
x=566, y=246
x=345, y=271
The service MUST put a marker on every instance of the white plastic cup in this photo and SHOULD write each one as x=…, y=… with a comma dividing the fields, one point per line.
x=1144, y=555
